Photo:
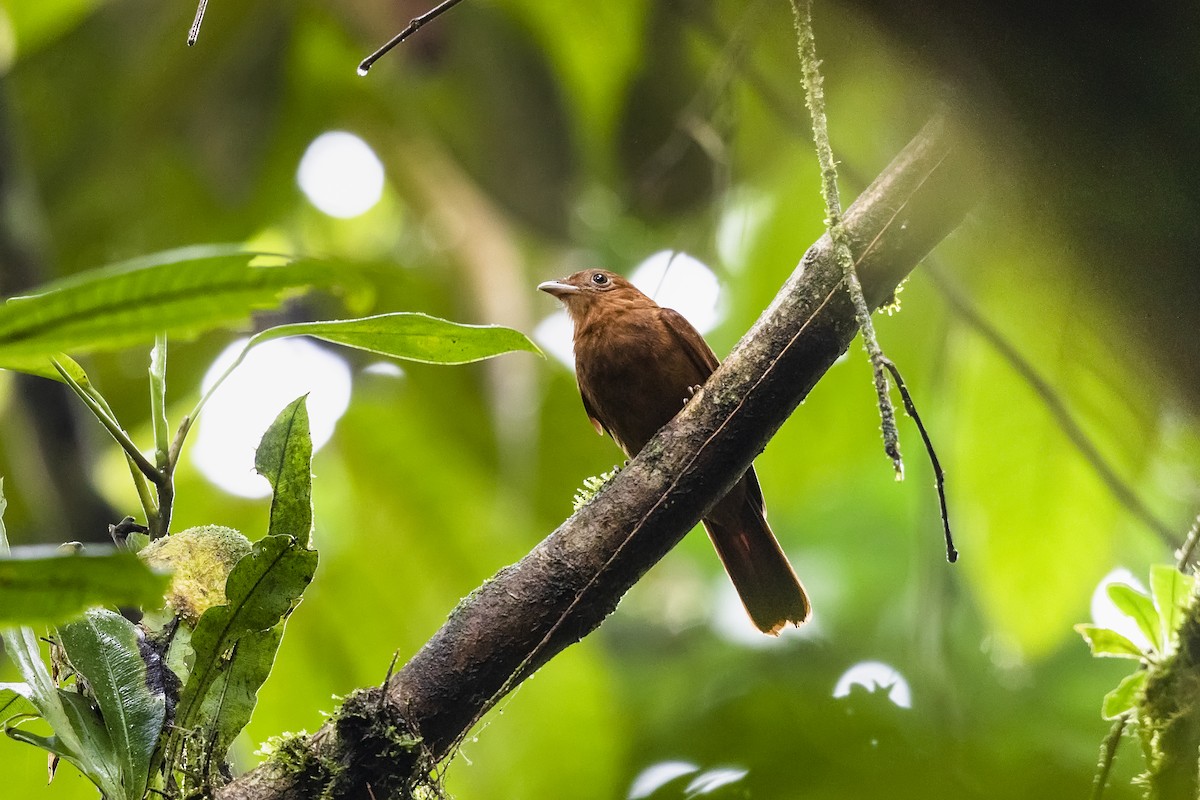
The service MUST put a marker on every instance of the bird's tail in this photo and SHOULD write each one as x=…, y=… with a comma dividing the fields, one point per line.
x=766, y=582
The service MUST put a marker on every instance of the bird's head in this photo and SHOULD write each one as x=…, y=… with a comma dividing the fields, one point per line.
x=591, y=289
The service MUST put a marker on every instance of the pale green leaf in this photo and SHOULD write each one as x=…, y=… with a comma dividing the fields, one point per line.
x=1140, y=608
x=1171, y=590
x=1107, y=642
x=284, y=458
x=1124, y=698
x=14, y=699
x=79, y=738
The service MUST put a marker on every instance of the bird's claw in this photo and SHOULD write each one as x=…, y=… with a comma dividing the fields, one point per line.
x=691, y=392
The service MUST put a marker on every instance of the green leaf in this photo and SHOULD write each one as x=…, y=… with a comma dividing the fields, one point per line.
x=411, y=336
x=14, y=699
x=284, y=457
x=76, y=737
x=179, y=292
x=79, y=737
x=261, y=590
x=1107, y=642
x=104, y=648
x=1124, y=698
x=50, y=589
x=1171, y=590
x=1141, y=609
x=230, y=702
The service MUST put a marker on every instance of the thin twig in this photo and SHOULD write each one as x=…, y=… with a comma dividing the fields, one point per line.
x=413, y=26
x=104, y=415
x=195, y=29
x=815, y=98
x=1188, y=549
x=938, y=474
x=1054, y=404
x=1108, y=755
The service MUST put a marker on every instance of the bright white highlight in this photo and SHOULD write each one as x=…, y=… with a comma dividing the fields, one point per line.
x=341, y=175
x=709, y=781
x=876, y=675
x=740, y=227
x=1107, y=615
x=656, y=776
x=679, y=281
x=274, y=374
x=553, y=334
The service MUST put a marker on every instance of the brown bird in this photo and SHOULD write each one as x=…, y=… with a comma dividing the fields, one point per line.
x=637, y=364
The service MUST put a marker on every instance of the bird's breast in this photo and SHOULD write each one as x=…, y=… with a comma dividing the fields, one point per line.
x=634, y=374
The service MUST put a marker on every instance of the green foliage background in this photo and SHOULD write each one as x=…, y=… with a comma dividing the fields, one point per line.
x=516, y=137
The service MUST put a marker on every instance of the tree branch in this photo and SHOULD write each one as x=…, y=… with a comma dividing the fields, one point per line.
x=560, y=592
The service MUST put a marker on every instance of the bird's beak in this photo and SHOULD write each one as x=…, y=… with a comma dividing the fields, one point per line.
x=558, y=288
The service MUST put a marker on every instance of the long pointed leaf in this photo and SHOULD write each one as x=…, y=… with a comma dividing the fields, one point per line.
x=411, y=336
x=104, y=648
x=284, y=457
x=230, y=702
x=180, y=292
x=262, y=588
x=50, y=589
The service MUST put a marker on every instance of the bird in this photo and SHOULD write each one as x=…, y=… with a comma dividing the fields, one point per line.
x=637, y=364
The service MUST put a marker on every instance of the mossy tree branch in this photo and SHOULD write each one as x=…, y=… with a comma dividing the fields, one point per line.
x=528, y=612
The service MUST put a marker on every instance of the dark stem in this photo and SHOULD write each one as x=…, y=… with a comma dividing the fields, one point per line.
x=414, y=25
x=938, y=474
x=195, y=29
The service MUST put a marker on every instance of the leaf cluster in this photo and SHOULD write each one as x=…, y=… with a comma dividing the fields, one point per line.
x=155, y=705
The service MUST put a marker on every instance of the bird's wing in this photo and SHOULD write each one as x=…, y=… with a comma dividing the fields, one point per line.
x=706, y=362
x=691, y=342
x=590, y=409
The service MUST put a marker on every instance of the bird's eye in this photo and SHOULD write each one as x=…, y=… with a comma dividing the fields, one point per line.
x=599, y=278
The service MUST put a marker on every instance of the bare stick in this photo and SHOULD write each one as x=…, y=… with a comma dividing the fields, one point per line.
x=195, y=31
x=413, y=26
x=938, y=474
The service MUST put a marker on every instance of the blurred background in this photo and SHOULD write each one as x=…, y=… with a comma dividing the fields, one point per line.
x=1050, y=343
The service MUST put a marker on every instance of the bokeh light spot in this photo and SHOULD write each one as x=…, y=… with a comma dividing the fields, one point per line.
x=341, y=175
x=682, y=282
x=656, y=776
x=711, y=780
x=240, y=411
x=876, y=675
x=553, y=334
x=1107, y=615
